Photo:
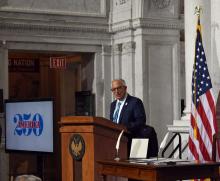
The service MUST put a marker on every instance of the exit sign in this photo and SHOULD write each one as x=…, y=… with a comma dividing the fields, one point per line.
x=58, y=62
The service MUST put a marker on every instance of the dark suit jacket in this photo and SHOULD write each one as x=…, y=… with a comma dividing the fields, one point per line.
x=134, y=118
x=132, y=114
x=150, y=133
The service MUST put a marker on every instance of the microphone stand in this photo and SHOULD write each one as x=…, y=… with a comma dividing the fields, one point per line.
x=117, y=156
x=117, y=146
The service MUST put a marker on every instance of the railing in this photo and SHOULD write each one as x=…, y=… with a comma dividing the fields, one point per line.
x=177, y=147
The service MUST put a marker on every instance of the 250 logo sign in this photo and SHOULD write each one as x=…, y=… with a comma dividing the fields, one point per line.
x=27, y=124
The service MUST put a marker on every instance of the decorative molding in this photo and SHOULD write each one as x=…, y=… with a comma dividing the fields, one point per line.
x=147, y=23
x=117, y=48
x=15, y=27
x=106, y=49
x=164, y=24
x=120, y=2
x=128, y=46
x=161, y=4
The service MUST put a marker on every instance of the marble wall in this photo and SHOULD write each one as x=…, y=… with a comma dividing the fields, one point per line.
x=95, y=7
x=147, y=41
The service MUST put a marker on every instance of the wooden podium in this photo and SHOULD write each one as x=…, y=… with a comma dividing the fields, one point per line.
x=99, y=136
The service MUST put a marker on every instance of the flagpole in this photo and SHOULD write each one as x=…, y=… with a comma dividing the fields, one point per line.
x=198, y=10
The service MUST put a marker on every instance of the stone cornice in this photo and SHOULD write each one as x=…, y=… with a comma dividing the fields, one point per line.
x=59, y=23
x=148, y=23
x=158, y=23
x=17, y=27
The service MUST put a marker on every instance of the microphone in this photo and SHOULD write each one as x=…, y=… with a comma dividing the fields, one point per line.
x=118, y=145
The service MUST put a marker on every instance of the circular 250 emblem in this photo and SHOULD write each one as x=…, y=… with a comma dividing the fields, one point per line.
x=77, y=146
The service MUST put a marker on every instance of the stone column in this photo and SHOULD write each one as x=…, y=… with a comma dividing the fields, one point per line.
x=98, y=83
x=106, y=58
x=128, y=64
x=116, y=61
x=4, y=158
x=140, y=68
x=215, y=46
x=190, y=35
x=4, y=69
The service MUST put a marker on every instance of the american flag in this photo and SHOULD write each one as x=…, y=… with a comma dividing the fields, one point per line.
x=203, y=113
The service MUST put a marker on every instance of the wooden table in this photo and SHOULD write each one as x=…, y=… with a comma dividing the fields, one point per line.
x=160, y=172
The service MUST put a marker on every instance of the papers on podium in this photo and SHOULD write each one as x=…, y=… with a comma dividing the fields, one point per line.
x=159, y=161
x=139, y=147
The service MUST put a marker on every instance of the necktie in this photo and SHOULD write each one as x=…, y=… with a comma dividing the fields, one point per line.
x=115, y=116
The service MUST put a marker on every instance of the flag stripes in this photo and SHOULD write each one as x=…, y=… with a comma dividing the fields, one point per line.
x=203, y=114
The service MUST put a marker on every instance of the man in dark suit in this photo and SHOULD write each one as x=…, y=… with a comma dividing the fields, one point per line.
x=126, y=109
x=129, y=111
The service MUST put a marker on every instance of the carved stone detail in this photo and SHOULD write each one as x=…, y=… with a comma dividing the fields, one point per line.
x=161, y=4
x=120, y=2
x=51, y=28
x=128, y=46
x=117, y=48
x=168, y=24
x=106, y=49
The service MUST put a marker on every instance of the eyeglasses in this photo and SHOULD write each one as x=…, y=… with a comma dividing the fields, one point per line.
x=117, y=88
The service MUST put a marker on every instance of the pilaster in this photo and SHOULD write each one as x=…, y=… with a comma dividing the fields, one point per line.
x=116, y=61
x=98, y=83
x=106, y=58
x=4, y=68
x=128, y=64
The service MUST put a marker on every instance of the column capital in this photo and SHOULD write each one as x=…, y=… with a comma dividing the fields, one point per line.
x=3, y=44
x=128, y=46
x=117, y=48
x=106, y=49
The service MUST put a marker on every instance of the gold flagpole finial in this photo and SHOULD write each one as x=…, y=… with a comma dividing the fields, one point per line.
x=198, y=10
